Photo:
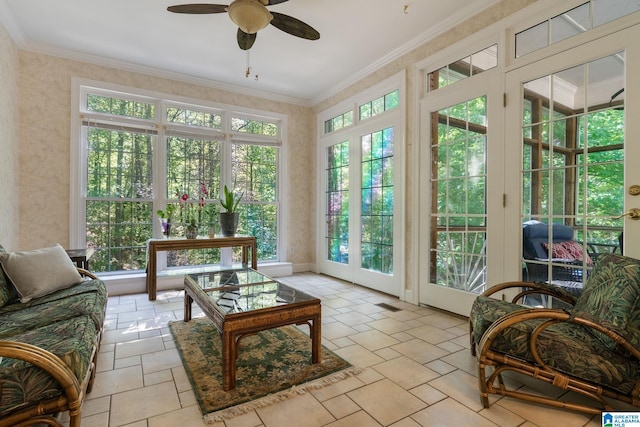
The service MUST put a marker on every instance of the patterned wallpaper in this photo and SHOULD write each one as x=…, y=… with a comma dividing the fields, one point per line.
x=9, y=194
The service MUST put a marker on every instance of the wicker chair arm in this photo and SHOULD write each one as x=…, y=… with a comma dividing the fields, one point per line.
x=55, y=367
x=533, y=288
x=45, y=360
x=86, y=273
x=551, y=317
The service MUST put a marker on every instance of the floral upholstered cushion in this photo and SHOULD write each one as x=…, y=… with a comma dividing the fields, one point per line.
x=566, y=347
x=86, y=299
x=23, y=384
x=612, y=293
x=40, y=271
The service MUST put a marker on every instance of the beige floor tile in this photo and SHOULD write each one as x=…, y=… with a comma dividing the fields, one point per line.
x=250, y=419
x=428, y=394
x=96, y=420
x=341, y=406
x=359, y=356
x=142, y=403
x=303, y=411
x=420, y=351
x=329, y=392
x=359, y=419
x=186, y=417
x=390, y=326
x=374, y=340
x=386, y=402
x=541, y=415
x=139, y=346
x=460, y=386
x=335, y=330
x=449, y=413
x=117, y=381
x=405, y=372
x=406, y=422
x=160, y=361
x=431, y=334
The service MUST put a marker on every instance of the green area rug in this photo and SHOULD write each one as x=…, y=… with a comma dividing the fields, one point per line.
x=272, y=365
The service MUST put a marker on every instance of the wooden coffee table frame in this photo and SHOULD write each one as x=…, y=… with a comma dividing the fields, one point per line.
x=233, y=326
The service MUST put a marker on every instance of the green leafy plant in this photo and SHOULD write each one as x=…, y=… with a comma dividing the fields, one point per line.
x=231, y=200
x=168, y=212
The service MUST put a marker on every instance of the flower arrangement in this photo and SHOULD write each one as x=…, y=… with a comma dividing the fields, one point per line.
x=191, y=212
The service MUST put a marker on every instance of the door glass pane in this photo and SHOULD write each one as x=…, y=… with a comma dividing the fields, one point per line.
x=337, y=203
x=458, y=214
x=572, y=177
x=377, y=201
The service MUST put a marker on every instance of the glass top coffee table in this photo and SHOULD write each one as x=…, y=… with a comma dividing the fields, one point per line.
x=243, y=301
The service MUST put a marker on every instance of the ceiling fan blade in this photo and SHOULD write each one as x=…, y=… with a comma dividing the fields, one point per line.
x=245, y=40
x=272, y=2
x=294, y=26
x=198, y=8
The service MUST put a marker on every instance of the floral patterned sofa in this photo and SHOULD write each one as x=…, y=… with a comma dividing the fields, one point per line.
x=50, y=331
x=592, y=347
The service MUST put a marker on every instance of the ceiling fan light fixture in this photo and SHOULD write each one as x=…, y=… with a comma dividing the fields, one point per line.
x=249, y=15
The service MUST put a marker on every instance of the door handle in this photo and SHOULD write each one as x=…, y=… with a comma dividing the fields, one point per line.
x=633, y=213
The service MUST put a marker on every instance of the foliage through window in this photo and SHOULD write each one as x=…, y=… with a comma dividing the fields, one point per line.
x=379, y=105
x=472, y=65
x=124, y=138
x=338, y=122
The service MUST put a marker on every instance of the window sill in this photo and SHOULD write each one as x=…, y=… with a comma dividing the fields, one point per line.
x=135, y=282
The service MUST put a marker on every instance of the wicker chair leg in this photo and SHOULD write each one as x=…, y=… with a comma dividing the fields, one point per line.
x=484, y=392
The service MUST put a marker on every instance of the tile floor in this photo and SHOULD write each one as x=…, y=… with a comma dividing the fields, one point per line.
x=418, y=369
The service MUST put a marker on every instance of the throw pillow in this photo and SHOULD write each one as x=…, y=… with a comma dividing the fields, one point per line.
x=40, y=272
x=612, y=293
x=568, y=250
x=7, y=291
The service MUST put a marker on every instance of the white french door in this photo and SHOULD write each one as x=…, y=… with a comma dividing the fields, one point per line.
x=360, y=240
x=583, y=181
x=461, y=188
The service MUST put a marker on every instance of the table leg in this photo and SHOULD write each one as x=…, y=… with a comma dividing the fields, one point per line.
x=245, y=257
x=151, y=274
x=187, y=306
x=229, y=352
x=316, y=337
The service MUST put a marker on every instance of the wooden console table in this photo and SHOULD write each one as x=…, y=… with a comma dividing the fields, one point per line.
x=159, y=245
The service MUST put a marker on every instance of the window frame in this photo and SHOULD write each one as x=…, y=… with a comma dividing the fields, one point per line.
x=162, y=128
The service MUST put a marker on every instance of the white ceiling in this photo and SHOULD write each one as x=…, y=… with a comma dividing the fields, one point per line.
x=356, y=37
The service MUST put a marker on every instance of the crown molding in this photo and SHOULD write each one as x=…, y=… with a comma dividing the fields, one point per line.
x=462, y=15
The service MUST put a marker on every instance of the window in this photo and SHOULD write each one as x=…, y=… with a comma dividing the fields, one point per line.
x=472, y=65
x=139, y=154
x=571, y=23
x=338, y=122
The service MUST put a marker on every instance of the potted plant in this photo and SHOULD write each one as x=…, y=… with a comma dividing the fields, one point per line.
x=165, y=219
x=229, y=219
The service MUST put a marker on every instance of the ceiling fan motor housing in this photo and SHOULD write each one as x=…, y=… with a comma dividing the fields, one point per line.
x=250, y=15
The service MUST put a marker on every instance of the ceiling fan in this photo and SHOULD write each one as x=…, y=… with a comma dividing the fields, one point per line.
x=251, y=16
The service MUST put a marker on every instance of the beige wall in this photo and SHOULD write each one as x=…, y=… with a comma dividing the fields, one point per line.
x=9, y=185
x=43, y=131
x=45, y=112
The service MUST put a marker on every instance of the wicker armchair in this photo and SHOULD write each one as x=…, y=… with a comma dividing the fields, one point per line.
x=592, y=348
x=48, y=369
